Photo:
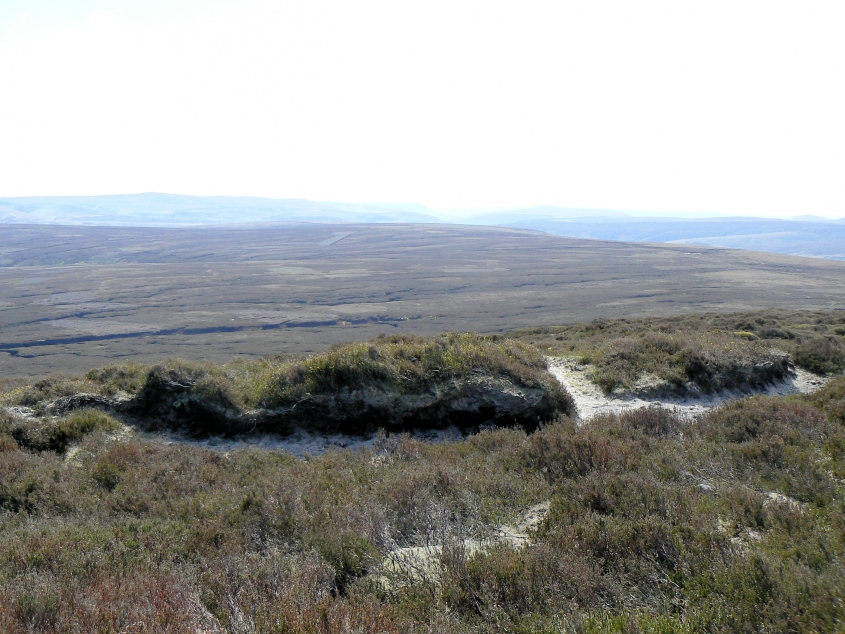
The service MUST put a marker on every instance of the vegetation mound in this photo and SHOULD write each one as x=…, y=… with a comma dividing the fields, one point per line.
x=403, y=382
x=53, y=434
x=699, y=353
x=393, y=383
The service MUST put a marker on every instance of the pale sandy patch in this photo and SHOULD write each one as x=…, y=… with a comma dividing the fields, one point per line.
x=590, y=400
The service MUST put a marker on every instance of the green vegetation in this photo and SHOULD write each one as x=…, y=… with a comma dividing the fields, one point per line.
x=46, y=389
x=403, y=362
x=821, y=354
x=705, y=352
x=831, y=400
x=116, y=379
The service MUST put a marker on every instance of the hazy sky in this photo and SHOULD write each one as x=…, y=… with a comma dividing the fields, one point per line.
x=726, y=107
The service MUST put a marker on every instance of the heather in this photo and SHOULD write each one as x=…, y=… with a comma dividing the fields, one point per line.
x=652, y=522
x=699, y=353
x=731, y=522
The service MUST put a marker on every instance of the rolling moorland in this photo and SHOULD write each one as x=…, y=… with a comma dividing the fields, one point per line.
x=801, y=235
x=73, y=298
x=117, y=512
x=648, y=520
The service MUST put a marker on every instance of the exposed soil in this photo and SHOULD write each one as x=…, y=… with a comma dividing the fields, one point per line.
x=590, y=400
x=168, y=403
x=414, y=563
x=303, y=443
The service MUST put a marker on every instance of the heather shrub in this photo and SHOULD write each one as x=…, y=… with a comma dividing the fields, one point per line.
x=350, y=556
x=778, y=444
x=56, y=434
x=180, y=538
x=821, y=355
x=831, y=400
x=765, y=417
x=7, y=443
x=503, y=586
x=732, y=521
x=45, y=390
x=113, y=379
x=563, y=450
x=106, y=474
x=709, y=351
x=189, y=382
x=653, y=421
x=714, y=362
x=185, y=394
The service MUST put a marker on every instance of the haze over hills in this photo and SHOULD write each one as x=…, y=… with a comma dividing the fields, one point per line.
x=172, y=210
x=805, y=235
x=816, y=238
x=513, y=217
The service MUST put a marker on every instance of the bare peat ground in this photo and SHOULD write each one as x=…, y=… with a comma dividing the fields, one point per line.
x=591, y=401
x=72, y=298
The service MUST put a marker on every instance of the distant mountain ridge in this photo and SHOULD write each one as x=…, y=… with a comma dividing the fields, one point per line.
x=816, y=238
x=803, y=235
x=172, y=210
x=543, y=212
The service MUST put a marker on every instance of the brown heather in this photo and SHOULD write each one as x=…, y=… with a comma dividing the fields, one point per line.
x=731, y=522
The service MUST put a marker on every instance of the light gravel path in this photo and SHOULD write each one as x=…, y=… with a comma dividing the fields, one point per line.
x=590, y=400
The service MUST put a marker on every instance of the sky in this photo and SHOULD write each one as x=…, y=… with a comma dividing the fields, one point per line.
x=719, y=107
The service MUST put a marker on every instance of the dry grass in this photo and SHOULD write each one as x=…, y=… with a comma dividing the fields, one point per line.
x=402, y=362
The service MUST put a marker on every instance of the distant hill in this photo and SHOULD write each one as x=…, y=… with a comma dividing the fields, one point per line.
x=542, y=212
x=803, y=235
x=171, y=210
x=817, y=238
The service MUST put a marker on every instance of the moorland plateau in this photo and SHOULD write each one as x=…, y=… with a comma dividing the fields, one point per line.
x=72, y=298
